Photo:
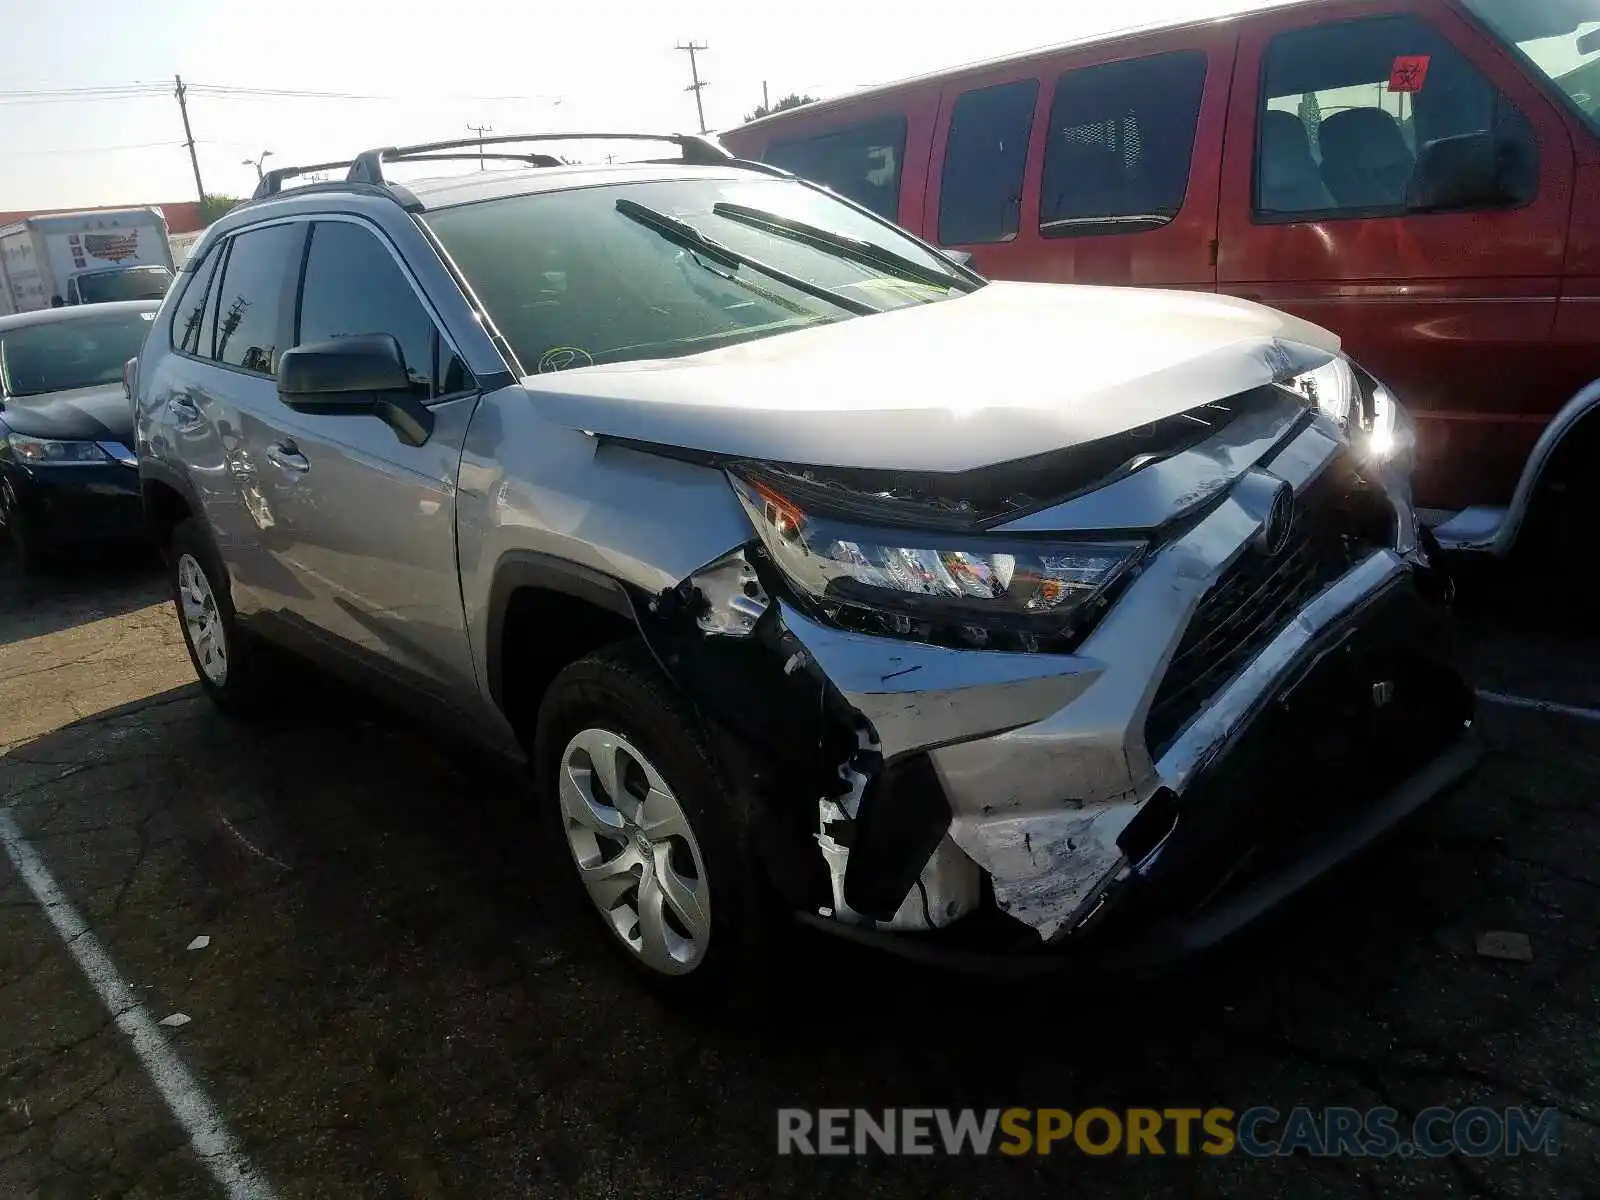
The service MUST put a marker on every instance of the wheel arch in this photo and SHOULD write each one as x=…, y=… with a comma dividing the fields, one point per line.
x=168, y=499
x=1574, y=427
x=531, y=591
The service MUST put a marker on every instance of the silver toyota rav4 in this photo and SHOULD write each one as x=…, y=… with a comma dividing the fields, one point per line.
x=1008, y=624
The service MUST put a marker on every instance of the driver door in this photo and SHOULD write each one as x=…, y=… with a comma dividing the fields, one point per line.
x=366, y=522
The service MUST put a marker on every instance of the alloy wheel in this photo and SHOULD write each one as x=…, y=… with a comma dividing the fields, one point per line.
x=635, y=851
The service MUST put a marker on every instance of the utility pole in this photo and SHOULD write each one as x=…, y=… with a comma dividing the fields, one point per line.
x=188, y=134
x=480, y=130
x=694, y=73
x=766, y=105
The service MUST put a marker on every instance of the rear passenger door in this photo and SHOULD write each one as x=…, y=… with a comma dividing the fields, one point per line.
x=1338, y=112
x=364, y=521
x=1100, y=167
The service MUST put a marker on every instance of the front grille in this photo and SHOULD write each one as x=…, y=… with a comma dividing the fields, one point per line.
x=1337, y=521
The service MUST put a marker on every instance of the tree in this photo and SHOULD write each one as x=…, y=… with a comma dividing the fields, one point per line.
x=792, y=100
x=215, y=207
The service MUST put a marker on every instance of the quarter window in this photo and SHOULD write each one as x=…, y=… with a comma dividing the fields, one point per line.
x=1378, y=116
x=861, y=162
x=192, y=306
x=1121, y=141
x=980, y=193
x=353, y=286
x=251, y=297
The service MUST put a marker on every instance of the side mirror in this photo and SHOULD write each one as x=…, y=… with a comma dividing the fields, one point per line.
x=962, y=258
x=355, y=376
x=1470, y=170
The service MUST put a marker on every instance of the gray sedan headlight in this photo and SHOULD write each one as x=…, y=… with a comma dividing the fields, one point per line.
x=967, y=588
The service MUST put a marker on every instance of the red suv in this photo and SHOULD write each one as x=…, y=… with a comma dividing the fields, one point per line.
x=1421, y=176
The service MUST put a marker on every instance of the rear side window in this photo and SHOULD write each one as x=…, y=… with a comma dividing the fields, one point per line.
x=251, y=296
x=861, y=162
x=192, y=306
x=1356, y=113
x=980, y=193
x=1121, y=140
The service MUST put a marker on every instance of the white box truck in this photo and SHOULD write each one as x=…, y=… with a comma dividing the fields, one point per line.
x=84, y=258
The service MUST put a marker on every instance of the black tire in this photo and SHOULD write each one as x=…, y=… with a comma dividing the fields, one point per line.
x=242, y=690
x=24, y=549
x=622, y=690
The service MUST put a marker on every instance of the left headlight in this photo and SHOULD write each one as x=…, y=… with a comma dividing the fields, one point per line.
x=39, y=451
x=967, y=588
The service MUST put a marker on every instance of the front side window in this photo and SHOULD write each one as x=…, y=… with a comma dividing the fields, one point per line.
x=353, y=286
x=613, y=274
x=980, y=193
x=1121, y=140
x=251, y=294
x=861, y=162
x=1362, y=117
x=80, y=352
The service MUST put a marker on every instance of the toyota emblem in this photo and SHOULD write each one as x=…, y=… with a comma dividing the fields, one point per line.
x=1279, y=526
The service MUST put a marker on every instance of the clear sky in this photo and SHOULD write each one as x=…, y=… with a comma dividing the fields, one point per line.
x=425, y=71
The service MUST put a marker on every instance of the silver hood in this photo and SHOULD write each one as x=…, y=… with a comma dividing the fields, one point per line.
x=1009, y=371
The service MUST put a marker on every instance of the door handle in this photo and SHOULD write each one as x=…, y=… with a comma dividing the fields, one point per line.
x=287, y=455
x=183, y=410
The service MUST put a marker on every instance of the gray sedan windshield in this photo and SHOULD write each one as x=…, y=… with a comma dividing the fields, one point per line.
x=570, y=280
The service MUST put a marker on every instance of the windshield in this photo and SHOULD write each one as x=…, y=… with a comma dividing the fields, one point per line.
x=135, y=283
x=73, y=353
x=1561, y=38
x=572, y=278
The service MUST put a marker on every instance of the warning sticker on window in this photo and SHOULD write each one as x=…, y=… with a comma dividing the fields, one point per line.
x=1409, y=73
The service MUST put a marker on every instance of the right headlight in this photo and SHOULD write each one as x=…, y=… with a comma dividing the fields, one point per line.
x=969, y=589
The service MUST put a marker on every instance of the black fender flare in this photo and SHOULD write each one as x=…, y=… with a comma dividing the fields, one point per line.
x=518, y=569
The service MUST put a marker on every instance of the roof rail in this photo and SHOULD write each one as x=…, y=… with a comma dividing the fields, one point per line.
x=272, y=181
x=368, y=165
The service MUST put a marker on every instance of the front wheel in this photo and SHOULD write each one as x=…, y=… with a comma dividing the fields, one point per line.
x=14, y=529
x=645, y=816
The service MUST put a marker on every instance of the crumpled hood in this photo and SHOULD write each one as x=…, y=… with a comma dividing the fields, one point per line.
x=93, y=414
x=1009, y=371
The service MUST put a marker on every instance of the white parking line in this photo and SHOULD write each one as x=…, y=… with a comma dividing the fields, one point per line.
x=200, y=1120
x=1544, y=706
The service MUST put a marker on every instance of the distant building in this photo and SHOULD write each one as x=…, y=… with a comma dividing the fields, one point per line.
x=182, y=217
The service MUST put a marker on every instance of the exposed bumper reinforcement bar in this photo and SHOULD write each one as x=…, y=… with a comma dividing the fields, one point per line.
x=1173, y=941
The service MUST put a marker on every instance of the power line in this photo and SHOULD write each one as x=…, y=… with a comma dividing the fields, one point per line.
x=694, y=48
x=95, y=149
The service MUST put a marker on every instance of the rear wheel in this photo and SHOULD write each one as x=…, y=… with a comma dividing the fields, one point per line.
x=645, y=817
x=218, y=648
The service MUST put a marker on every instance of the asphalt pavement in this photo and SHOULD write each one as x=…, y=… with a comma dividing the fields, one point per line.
x=387, y=1002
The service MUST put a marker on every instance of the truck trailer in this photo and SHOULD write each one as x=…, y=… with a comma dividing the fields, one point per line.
x=84, y=258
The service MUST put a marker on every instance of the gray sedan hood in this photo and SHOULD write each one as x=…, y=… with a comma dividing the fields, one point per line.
x=1006, y=372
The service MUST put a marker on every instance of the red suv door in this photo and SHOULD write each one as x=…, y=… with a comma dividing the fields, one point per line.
x=1355, y=194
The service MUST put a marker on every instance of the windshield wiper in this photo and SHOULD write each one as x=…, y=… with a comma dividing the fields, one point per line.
x=868, y=253
x=686, y=235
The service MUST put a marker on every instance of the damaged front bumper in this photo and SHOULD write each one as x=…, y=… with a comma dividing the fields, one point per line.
x=1236, y=726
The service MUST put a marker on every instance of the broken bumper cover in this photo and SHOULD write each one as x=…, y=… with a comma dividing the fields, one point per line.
x=1102, y=857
